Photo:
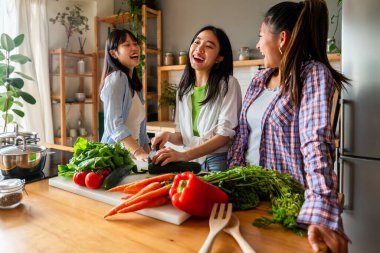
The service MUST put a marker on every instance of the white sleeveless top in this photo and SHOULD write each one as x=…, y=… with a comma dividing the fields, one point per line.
x=136, y=115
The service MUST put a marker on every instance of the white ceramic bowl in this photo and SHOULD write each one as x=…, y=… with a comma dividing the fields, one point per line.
x=80, y=96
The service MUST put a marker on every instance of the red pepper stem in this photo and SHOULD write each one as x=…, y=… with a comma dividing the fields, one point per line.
x=182, y=185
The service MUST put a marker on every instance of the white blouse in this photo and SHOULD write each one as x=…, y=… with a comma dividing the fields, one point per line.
x=217, y=118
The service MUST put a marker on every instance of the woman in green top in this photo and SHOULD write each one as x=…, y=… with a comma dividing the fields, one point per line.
x=208, y=104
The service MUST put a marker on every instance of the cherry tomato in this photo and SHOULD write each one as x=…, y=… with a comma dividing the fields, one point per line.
x=104, y=172
x=94, y=180
x=79, y=178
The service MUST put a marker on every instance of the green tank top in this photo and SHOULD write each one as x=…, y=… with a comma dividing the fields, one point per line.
x=198, y=96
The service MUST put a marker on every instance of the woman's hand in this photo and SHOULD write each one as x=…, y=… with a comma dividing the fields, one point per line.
x=334, y=241
x=167, y=155
x=160, y=139
x=141, y=155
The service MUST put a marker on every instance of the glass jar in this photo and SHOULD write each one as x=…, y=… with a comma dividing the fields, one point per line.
x=244, y=54
x=182, y=58
x=11, y=192
x=169, y=59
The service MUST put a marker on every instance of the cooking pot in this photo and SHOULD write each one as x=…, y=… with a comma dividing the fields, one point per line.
x=18, y=138
x=22, y=160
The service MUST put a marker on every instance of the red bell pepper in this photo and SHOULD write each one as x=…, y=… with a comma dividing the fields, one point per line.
x=194, y=196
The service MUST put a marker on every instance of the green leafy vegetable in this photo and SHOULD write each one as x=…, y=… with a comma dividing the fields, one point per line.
x=246, y=186
x=89, y=155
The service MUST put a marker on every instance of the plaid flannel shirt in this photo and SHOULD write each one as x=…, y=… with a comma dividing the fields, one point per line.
x=298, y=140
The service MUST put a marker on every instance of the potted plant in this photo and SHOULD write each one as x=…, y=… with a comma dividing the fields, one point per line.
x=168, y=98
x=331, y=44
x=11, y=81
x=74, y=22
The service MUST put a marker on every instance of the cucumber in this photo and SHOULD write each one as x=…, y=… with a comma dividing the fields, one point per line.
x=116, y=176
x=174, y=167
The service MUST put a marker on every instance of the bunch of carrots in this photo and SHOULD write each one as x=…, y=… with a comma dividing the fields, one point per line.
x=142, y=194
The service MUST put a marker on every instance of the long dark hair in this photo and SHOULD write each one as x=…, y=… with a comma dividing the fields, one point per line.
x=219, y=71
x=307, y=23
x=115, y=38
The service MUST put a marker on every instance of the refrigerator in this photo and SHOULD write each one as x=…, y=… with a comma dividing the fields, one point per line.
x=359, y=153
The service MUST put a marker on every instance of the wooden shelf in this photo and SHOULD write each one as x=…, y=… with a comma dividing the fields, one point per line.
x=240, y=64
x=71, y=75
x=70, y=54
x=160, y=126
x=60, y=99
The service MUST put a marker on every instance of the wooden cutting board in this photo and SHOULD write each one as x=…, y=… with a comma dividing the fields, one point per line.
x=166, y=213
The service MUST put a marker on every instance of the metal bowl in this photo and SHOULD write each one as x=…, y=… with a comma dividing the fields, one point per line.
x=22, y=161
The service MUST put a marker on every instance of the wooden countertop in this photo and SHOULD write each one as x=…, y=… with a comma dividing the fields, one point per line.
x=53, y=220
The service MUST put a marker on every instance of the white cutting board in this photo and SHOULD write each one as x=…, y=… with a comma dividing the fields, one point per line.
x=166, y=212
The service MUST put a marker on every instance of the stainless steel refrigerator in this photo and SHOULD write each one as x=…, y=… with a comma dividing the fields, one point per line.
x=360, y=129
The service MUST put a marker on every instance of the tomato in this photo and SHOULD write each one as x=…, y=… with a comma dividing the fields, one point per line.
x=79, y=178
x=104, y=172
x=94, y=180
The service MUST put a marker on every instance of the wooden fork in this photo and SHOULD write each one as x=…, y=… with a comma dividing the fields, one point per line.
x=217, y=222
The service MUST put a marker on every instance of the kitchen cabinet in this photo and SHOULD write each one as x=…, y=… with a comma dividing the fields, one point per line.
x=150, y=48
x=164, y=72
x=65, y=81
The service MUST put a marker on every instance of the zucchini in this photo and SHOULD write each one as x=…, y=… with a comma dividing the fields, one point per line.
x=174, y=167
x=116, y=176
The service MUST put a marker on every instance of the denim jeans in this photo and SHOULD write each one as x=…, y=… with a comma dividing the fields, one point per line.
x=215, y=162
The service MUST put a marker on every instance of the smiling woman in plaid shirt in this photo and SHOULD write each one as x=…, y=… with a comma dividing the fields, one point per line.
x=285, y=120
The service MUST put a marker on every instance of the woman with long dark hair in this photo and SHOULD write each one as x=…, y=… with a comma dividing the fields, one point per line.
x=208, y=104
x=121, y=93
x=285, y=121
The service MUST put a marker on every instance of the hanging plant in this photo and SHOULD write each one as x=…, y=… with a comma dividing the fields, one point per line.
x=11, y=81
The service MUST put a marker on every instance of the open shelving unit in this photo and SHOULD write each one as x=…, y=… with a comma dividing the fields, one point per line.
x=117, y=20
x=61, y=99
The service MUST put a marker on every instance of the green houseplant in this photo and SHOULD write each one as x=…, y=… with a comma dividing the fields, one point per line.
x=334, y=20
x=168, y=97
x=74, y=22
x=11, y=81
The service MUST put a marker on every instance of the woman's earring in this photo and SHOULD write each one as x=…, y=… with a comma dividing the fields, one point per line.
x=280, y=49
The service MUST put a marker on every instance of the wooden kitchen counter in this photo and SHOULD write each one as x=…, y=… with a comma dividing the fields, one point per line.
x=53, y=220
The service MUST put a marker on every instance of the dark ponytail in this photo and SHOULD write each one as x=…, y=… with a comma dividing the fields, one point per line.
x=307, y=24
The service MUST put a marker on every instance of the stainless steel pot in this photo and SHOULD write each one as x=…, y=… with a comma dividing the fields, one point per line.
x=18, y=138
x=22, y=160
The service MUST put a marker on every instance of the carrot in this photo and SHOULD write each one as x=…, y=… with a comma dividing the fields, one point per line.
x=146, y=189
x=127, y=196
x=160, y=192
x=140, y=184
x=145, y=204
x=119, y=188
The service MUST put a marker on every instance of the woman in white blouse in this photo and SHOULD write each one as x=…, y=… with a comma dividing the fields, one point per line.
x=208, y=104
x=121, y=93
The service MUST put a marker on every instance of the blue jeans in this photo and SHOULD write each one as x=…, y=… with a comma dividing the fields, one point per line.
x=215, y=162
